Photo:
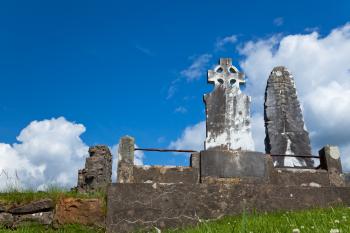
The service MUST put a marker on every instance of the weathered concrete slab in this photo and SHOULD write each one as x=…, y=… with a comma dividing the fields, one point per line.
x=285, y=131
x=134, y=206
x=230, y=164
x=227, y=110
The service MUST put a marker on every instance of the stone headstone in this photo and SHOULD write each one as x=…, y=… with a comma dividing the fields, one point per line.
x=97, y=173
x=285, y=129
x=227, y=110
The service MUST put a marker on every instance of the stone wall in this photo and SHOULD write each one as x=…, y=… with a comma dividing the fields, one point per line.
x=135, y=206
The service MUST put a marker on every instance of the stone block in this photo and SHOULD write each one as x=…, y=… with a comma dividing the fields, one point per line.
x=2, y=208
x=330, y=160
x=79, y=211
x=6, y=220
x=232, y=164
x=42, y=218
x=33, y=207
x=164, y=174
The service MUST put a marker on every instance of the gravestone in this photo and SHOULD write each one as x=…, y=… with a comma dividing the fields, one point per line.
x=285, y=129
x=227, y=110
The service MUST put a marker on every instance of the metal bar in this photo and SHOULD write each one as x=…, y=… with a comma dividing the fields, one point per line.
x=297, y=156
x=165, y=150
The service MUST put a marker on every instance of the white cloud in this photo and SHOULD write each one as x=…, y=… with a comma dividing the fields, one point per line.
x=198, y=67
x=320, y=66
x=278, y=21
x=48, y=152
x=222, y=42
x=181, y=109
x=192, y=138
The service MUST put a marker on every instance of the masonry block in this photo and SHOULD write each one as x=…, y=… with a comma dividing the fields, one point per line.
x=330, y=160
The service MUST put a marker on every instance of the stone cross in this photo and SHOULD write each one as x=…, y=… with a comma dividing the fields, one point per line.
x=227, y=110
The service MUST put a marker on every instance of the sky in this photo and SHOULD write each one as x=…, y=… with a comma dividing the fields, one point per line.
x=80, y=73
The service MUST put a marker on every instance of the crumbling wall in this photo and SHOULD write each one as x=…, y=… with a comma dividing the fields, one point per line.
x=97, y=174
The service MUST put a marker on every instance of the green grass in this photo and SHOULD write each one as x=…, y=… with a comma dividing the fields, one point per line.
x=63, y=229
x=311, y=221
x=25, y=196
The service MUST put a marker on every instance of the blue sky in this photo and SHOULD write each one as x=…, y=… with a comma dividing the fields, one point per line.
x=118, y=67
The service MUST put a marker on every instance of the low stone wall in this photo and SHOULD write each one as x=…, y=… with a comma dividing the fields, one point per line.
x=46, y=212
x=135, y=206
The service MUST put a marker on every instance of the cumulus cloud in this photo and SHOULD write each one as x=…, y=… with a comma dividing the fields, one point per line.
x=198, y=67
x=278, y=21
x=222, y=42
x=47, y=152
x=192, y=138
x=320, y=66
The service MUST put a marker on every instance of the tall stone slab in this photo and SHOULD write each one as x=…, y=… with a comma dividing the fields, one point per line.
x=284, y=124
x=227, y=110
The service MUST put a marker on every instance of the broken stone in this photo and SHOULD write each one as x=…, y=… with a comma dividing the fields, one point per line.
x=79, y=211
x=33, y=207
x=285, y=129
x=6, y=220
x=42, y=218
x=98, y=170
x=2, y=208
x=227, y=110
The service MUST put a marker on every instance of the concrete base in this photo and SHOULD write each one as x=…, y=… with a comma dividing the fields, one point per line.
x=134, y=206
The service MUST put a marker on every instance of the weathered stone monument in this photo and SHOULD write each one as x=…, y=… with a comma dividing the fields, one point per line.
x=228, y=176
x=285, y=128
x=227, y=110
x=96, y=175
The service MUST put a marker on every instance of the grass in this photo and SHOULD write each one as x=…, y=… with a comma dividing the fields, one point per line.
x=25, y=196
x=331, y=220
x=19, y=197
x=63, y=229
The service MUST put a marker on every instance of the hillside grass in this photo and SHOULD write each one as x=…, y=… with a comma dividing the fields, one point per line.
x=62, y=229
x=330, y=220
x=14, y=196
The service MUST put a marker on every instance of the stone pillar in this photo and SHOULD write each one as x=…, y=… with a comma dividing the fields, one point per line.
x=330, y=160
x=285, y=130
x=126, y=160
